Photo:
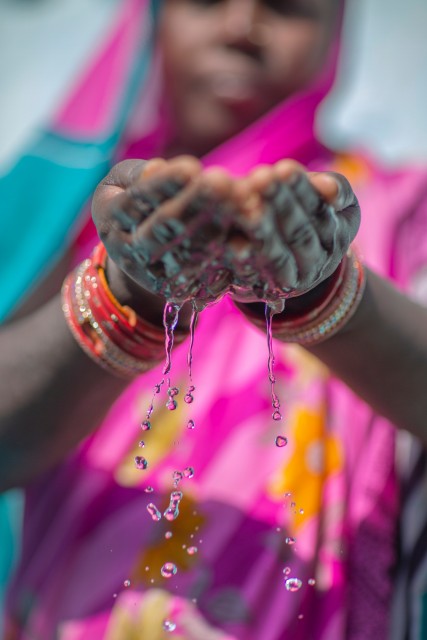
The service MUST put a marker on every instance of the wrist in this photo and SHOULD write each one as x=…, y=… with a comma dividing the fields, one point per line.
x=333, y=311
x=299, y=308
x=147, y=305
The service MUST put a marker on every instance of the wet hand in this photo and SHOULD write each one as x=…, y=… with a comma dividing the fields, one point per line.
x=165, y=224
x=294, y=228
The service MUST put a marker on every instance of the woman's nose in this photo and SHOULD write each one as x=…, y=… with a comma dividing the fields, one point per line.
x=242, y=19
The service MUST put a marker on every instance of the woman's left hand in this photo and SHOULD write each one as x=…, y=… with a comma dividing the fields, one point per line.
x=293, y=231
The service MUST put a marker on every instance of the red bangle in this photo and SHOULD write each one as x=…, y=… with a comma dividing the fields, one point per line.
x=113, y=335
x=327, y=318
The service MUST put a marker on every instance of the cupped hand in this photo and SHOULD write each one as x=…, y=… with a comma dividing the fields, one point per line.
x=294, y=228
x=165, y=224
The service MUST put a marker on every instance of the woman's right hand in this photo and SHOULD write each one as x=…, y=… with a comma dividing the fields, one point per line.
x=164, y=225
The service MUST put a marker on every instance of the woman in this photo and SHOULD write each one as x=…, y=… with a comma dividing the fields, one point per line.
x=304, y=542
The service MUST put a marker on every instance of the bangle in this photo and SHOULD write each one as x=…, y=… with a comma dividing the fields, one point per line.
x=114, y=336
x=331, y=315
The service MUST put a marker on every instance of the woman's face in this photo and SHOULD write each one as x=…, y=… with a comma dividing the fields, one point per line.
x=227, y=62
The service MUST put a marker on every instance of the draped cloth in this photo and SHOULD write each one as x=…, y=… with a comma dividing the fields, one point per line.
x=322, y=511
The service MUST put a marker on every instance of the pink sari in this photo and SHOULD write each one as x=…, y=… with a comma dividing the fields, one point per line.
x=321, y=511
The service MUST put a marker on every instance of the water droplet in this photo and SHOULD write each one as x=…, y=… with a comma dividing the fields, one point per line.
x=147, y=568
x=148, y=489
x=192, y=551
x=168, y=535
x=188, y=398
x=146, y=425
x=189, y=472
x=154, y=512
x=168, y=570
x=288, y=495
x=141, y=463
x=171, y=405
x=158, y=387
x=286, y=571
x=170, y=320
x=168, y=625
x=281, y=441
x=193, y=323
x=141, y=444
x=177, y=477
x=126, y=583
x=300, y=617
x=190, y=424
x=293, y=505
x=290, y=540
x=312, y=582
x=270, y=310
x=114, y=595
x=301, y=511
x=173, y=391
x=293, y=584
x=172, y=512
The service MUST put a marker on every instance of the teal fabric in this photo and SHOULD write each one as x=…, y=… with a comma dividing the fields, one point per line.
x=40, y=198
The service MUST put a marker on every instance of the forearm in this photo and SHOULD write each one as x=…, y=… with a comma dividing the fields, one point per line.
x=382, y=355
x=52, y=394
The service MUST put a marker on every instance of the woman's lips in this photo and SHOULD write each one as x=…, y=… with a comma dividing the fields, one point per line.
x=237, y=88
x=233, y=88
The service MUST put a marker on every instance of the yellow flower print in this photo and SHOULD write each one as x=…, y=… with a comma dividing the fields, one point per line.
x=316, y=455
x=166, y=427
x=189, y=523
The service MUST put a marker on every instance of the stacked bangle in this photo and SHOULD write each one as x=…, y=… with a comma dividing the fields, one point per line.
x=325, y=320
x=113, y=335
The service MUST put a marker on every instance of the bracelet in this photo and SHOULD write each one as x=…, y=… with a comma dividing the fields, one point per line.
x=114, y=336
x=331, y=315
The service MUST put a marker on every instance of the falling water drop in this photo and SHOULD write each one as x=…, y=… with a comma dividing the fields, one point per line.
x=290, y=541
x=169, y=626
x=270, y=310
x=173, y=391
x=140, y=463
x=168, y=535
x=168, y=570
x=281, y=441
x=286, y=571
x=141, y=444
x=149, y=489
x=193, y=324
x=172, y=512
x=312, y=582
x=171, y=404
x=126, y=583
x=170, y=320
x=192, y=551
x=177, y=477
x=154, y=512
x=191, y=424
x=293, y=584
x=188, y=472
x=188, y=398
x=146, y=425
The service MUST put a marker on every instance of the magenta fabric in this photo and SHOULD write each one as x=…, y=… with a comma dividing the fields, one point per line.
x=322, y=510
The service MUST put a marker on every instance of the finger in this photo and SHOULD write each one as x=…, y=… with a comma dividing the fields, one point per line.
x=290, y=202
x=158, y=181
x=193, y=217
x=337, y=191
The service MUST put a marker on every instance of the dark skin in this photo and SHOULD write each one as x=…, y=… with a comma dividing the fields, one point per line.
x=44, y=372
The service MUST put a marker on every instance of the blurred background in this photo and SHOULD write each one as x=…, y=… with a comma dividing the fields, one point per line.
x=379, y=103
